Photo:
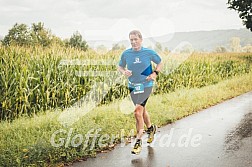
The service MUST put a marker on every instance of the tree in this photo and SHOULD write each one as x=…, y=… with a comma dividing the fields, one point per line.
x=220, y=49
x=166, y=50
x=22, y=35
x=40, y=35
x=247, y=49
x=244, y=8
x=77, y=42
x=158, y=47
x=235, y=45
x=117, y=46
x=18, y=35
x=56, y=41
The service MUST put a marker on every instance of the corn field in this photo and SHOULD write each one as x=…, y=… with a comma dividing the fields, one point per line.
x=34, y=80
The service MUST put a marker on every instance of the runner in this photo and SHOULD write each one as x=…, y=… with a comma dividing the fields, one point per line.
x=135, y=63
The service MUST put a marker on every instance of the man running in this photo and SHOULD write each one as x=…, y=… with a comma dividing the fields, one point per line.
x=135, y=63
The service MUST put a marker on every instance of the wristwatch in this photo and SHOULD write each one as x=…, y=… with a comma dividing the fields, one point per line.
x=156, y=72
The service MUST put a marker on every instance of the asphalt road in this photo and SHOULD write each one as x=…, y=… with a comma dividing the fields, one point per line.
x=218, y=136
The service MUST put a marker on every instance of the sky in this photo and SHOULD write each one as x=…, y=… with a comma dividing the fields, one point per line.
x=114, y=19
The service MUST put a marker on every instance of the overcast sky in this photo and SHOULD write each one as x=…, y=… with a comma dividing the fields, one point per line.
x=113, y=19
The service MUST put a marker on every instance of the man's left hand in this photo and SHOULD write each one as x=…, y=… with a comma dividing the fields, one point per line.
x=152, y=76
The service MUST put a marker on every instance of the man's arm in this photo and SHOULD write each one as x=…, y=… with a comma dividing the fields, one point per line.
x=154, y=75
x=124, y=71
x=159, y=67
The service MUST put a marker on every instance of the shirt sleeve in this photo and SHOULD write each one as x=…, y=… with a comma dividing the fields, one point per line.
x=122, y=62
x=155, y=57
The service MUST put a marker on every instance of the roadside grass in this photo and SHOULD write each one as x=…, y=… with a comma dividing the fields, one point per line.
x=28, y=141
x=170, y=107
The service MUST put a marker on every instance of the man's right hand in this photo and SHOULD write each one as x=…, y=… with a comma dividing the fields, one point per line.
x=127, y=73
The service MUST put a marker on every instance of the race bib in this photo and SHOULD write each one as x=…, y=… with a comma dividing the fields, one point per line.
x=138, y=88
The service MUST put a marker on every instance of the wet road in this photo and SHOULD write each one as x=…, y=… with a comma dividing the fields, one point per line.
x=217, y=136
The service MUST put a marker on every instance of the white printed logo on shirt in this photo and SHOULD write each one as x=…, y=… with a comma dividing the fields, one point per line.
x=137, y=60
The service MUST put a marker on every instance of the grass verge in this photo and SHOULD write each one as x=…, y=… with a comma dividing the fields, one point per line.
x=29, y=141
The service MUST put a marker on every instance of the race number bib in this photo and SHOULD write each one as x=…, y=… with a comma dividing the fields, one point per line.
x=138, y=88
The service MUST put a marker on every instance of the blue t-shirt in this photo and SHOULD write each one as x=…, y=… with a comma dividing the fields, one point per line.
x=139, y=62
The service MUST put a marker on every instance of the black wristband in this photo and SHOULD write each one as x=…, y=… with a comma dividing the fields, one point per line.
x=156, y=72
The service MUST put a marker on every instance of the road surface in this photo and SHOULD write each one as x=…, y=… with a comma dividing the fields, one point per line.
x=218, y=136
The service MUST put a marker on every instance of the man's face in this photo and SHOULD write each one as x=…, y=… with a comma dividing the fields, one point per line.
x=136, y=42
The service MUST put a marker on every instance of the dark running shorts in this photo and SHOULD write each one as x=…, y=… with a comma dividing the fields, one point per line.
x=140, y=98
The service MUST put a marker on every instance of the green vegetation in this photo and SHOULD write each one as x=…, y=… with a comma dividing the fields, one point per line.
x=26, y=141
x=38, y=35
x=243, y=7
x=34, y=79
x=76, y=41
x=36, y=87
x=201, y=70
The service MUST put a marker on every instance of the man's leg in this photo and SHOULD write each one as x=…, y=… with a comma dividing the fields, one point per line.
x=140, y=128
x=151, y=128
x=141, y=116
x=146, y=118
x=139, y=110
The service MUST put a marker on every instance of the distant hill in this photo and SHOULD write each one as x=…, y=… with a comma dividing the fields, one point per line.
x=200, y=40
x=209, y=40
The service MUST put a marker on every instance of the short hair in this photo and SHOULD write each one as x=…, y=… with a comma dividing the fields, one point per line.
x=136, y=32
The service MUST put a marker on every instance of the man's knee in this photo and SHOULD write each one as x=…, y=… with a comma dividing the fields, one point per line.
x=138, y=111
